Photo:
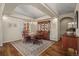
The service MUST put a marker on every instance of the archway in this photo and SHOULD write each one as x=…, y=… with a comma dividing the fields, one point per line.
x=64, y=24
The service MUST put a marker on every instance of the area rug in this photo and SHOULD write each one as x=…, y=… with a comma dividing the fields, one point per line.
x=30, y=49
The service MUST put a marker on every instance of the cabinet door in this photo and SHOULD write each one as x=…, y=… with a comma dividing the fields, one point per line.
x=74, y=45
x=78, y=45
x=70, y=42
x=65, y=42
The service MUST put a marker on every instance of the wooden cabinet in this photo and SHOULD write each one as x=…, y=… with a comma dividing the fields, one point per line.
x=44, y=29
x=70, y=42
x=43, y=35
x=44, y=26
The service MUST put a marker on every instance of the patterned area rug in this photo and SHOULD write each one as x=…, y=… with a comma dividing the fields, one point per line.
x=30, y=49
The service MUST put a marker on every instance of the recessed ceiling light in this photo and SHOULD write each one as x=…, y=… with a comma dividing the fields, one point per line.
x=4, y=17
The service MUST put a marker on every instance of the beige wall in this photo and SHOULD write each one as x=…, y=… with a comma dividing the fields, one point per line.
x=12, y=32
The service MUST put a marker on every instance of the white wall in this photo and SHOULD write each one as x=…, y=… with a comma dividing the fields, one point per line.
x=54, y=31
x=1, y=33
x=1, y=23
x=12, y=32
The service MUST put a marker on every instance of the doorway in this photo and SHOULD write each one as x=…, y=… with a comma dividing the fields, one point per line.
x=64, y=24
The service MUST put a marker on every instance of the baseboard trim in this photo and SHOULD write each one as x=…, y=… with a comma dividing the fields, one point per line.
x=11, y=41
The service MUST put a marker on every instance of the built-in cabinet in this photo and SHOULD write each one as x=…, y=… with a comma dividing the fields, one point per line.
x=70, y=42
x=44, y=29
x=44, y=26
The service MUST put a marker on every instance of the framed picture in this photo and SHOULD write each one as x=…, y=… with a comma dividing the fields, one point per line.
x=76, y=19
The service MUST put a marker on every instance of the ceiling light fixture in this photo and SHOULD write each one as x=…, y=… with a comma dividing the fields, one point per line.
x=4, y=17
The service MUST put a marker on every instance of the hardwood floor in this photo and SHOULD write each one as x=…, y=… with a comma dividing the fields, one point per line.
x=54, y=50
x=1, y=51
x=9, y=50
